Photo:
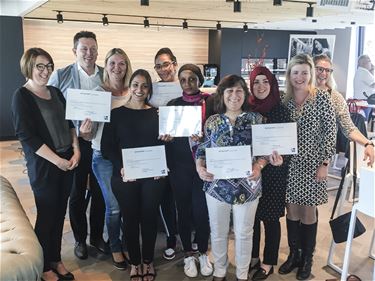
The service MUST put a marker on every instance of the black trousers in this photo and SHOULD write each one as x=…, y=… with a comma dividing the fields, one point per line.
x=191, y=207
x=272, y=236
x=77, y=204
x=139, y=202
x=51, y=187
x=168, y=214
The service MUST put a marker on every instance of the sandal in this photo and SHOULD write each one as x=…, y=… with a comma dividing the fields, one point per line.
x=137, y=276
x=149, y=272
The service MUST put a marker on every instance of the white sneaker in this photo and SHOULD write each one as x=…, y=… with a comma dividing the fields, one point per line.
x=169, y=254
x=194, y=247
x=190, y=267
x=205, y=265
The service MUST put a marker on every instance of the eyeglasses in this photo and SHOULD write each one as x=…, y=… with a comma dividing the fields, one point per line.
x=322, y=69
x=41, y=67
x=164, y=65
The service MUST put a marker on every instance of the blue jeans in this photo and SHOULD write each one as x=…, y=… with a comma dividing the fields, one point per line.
x=103, y=172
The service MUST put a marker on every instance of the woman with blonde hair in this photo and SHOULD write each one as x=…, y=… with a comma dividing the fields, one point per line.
x=325, y=81
x=116, y=76
x=312, y=110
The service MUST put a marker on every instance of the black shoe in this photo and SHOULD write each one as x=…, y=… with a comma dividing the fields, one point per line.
x=304, y=271
x=80, y=250
x=67, y=276
x=122, y=265
x=100, y=245
x=293, y=261
x=255, y=266
x=261, y=274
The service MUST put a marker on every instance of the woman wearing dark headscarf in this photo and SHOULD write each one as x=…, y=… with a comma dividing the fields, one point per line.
x=187, y=186
x=265, y=99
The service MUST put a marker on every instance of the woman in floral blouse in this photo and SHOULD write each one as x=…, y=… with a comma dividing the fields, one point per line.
x=231, y=127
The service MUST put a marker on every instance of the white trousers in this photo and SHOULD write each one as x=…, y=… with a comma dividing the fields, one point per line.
x=243, y=222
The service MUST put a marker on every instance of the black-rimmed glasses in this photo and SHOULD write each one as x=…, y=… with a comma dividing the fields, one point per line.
x=41, y=67
x=164, y=65
x=322, y=69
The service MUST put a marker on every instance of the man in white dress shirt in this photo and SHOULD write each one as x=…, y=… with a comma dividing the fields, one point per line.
x=364, y=81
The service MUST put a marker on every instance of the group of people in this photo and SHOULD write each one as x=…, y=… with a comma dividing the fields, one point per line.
x=62, y=155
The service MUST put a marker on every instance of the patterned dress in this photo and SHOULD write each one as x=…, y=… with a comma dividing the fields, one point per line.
x=218, y=133
x=316, y=130
x=274, y=178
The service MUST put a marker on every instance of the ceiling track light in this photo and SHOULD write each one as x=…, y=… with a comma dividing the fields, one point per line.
x=310, y=11
x=277, y=2
x=218, y=26
x=146, y=22
x=237, y=6
x=185, y=25
x=245, y=27
x=59, y=17
x=105, y=20
x=145, y=3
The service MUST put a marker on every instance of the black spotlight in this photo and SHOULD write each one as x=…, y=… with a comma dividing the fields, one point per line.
x=277, y=2
x=237, y=6
x=218, y=26
x=105, y=20
x=145, y=3
x=314, y=20
x=245, y=28
x=146, y=23
x=310, y=11
x=59, y=17
x=185, y=25
x=352, y=22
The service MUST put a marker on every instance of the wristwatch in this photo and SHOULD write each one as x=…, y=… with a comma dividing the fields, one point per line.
x=369, y=143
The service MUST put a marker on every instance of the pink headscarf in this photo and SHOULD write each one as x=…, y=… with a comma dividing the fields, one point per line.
x=264, y=106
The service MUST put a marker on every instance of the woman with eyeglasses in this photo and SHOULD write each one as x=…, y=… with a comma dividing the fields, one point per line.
x=51, y=150
x=312, y=110
x=325, y=81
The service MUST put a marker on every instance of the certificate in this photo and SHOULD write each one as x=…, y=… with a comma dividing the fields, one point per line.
x=180, y=121
x=82, y=104
x=229, y=162
x=163, y=92
x=144, y=162
x=280, y=137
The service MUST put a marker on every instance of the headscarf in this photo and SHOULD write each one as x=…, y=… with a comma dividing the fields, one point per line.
x=264, y=106
x=196, y=70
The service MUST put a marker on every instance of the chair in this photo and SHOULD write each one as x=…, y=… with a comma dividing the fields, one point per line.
x=365, y=205
x=348, y=183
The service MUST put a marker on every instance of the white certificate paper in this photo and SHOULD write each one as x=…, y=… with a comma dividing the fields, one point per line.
x=280, y=137
x=163, y=92
x=144, y=162
x=82, y=104
x=229, y=162
x=180, y=121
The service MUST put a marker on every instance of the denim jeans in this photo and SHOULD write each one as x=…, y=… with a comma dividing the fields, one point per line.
x=103, y=172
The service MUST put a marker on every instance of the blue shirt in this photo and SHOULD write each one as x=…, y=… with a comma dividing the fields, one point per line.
x=220, y=132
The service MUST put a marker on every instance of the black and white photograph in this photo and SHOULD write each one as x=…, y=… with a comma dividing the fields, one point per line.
x=311, y=44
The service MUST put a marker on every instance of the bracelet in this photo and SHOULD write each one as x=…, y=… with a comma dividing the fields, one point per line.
x=325, y=164
x=369, y=143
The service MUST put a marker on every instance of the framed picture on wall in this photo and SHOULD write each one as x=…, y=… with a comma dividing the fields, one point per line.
x=311, y=44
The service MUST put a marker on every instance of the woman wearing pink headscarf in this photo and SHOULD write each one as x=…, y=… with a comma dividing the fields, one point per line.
x=265, y=99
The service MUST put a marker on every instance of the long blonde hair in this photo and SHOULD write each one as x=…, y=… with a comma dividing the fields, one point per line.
x=129, y=71
x=299, y=59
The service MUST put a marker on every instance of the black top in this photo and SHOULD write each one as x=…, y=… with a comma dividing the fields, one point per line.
x=129, y=128
x=53, y=113
x=30, y=126
x=274, y=178
x=179, y=151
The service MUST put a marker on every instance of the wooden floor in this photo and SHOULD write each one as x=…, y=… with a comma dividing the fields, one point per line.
x=99, y=267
